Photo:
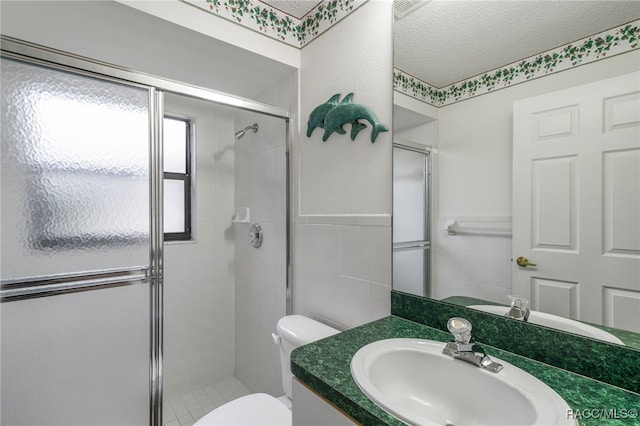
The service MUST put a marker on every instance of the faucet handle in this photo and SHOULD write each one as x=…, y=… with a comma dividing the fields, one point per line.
x=518, y=301
x=460, y=328
x=519, y=308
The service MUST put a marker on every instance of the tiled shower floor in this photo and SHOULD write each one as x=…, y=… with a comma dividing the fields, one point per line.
x=187, y=409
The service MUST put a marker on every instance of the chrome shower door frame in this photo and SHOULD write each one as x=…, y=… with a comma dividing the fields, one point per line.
x=37, y=54
x=423, y=244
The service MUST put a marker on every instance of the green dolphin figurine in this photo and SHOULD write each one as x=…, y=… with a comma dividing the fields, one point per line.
x=348, y=112
x=316, y=118
x=355, y=129
x=356, y=126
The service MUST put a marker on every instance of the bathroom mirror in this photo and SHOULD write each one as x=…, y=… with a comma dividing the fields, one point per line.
x=459, y=68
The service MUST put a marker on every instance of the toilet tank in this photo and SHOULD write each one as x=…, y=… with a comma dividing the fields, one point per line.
x=295, y=331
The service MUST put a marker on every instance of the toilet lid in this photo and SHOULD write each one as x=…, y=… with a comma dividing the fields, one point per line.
x=258, y=409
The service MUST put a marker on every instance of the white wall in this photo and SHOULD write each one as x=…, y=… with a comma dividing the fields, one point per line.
x=188, y=16
x=424, y=134
x=114, y=33
x=342, y=226
x=474, y=180
x=476, y=135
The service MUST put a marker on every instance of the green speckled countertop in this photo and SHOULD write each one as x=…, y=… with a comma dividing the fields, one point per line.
x=325, y=367
x=629, y=338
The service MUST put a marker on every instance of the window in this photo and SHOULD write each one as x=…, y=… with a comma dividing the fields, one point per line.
x=177, y=179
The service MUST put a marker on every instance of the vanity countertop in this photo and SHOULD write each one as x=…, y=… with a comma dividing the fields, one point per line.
x=325, y=367
x=629, y=338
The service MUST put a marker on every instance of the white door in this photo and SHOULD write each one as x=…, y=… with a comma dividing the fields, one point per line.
x=576, y=201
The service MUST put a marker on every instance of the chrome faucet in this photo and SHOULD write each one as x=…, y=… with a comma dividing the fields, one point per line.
x=464, y=348
x=519, y=308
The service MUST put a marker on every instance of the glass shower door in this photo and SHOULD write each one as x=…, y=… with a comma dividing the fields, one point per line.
x=411, y=241
x=75, y=259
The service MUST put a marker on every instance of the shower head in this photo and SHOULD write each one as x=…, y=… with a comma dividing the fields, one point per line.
x=240, y=133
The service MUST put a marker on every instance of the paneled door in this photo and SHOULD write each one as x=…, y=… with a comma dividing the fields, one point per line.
x=576, y=202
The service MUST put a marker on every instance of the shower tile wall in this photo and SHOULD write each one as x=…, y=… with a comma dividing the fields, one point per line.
x=261, y=273
x=199, y=276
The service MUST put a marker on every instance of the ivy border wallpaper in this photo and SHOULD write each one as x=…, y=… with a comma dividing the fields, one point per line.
x=269, y=21
x=599, y=46
x=276, y=24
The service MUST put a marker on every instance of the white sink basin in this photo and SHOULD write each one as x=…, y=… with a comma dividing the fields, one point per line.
x=414, y=381
x=557, y=322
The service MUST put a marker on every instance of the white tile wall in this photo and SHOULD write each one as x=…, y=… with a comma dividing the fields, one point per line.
x=198, y=276
x=261, y=274
x=342, y=273
x=470, y=265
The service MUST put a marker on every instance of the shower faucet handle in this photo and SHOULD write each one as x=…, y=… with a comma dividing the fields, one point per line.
x=255, y=235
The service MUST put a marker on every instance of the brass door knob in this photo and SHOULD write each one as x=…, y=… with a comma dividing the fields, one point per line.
x=523, y=261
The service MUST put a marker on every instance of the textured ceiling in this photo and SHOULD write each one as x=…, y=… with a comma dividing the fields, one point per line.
x=447, y=41
x=297, y=8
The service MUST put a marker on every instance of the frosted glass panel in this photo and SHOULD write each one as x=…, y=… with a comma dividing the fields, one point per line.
x=409, y=271
x=77, y=359
x=410, y=221
x=75, y=178
x=175, y=145
x=409, y=195
x=173, y=205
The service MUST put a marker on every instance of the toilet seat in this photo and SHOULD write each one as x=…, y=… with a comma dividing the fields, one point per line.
x=258, y=409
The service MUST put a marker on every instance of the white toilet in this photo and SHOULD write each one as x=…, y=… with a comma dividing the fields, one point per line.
x=260, y=409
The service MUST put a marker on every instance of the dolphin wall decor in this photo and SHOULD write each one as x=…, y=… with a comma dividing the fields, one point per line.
x=332, y=116
x=316, y=118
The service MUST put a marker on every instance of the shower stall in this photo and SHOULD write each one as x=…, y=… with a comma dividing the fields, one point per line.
x=130, y=290
x=222, y=295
